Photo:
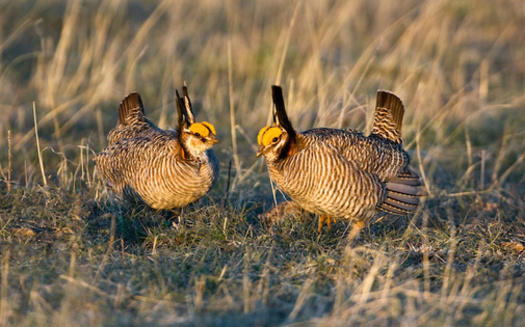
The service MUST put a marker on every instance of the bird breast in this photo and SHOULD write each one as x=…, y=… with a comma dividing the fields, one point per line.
x=322, y=181
x=171, y=182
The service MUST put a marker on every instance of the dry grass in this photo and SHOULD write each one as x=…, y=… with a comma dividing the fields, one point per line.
x=72, y=256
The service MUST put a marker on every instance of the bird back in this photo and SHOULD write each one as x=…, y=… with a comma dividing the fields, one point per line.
x=132, y=120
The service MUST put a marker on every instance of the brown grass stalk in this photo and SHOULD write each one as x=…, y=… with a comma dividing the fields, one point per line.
x=39, y=152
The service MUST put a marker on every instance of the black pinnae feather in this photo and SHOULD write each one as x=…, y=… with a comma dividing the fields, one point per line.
x=183, y=120
x=282, y=117
x=187, y=104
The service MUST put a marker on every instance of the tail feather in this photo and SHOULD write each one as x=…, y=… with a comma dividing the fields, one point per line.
x=403, y=206
x=402, y=197
x=393, y=209
x=408, y=177
x=403, y=189
x=131, y=110
x=388, y=116
x=409, y=181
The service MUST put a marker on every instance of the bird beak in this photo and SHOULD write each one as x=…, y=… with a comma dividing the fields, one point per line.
x=260, y=152
x=213, y=139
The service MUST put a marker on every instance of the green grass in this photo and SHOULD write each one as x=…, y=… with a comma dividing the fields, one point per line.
x=72, y=255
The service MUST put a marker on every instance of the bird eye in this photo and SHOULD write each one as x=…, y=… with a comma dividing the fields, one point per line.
x=274, y=139
x=198, y=134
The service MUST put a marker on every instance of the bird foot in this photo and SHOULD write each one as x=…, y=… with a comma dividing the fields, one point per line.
x=325, y=218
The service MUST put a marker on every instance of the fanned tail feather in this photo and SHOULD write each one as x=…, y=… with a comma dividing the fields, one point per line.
x=131, y=110
x=388, y=116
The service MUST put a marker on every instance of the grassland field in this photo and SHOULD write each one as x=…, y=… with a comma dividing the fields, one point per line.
x=72, y=255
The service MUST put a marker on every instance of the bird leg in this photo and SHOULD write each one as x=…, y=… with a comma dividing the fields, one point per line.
x=358, y=225
x=322, y=219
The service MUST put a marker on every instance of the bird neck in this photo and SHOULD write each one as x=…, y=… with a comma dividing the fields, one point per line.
x=294, y=145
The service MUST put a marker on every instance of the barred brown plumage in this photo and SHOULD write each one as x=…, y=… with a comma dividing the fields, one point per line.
x=340, y=173
x=165, y=169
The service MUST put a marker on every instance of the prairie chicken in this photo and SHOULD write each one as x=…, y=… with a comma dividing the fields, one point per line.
x=340, y=173
x=164, y=169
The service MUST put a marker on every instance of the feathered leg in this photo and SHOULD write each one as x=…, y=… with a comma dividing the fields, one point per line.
x=358, y=225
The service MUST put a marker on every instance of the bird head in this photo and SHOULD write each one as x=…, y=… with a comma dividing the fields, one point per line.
x=272, y=140
x=275, y=140
x=196, y=137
